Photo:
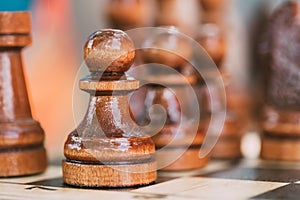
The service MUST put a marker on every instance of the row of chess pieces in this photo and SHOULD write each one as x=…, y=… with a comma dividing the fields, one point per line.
x=108, y=149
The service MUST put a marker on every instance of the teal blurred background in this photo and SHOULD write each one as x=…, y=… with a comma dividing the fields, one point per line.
x=15, y=5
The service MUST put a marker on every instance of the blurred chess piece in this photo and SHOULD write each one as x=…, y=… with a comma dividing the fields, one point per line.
x=213, y=40
x=180, y=138
x=281, y=113
x=211, y=32
x=22, y=149
x=213, y=11
x=108, y=149
x=129, y=14
x=181, y=14
x=126, y=15
x=212, y=37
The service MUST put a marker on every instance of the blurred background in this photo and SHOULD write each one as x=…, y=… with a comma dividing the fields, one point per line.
x=61, y=27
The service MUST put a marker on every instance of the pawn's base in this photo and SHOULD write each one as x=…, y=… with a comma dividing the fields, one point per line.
x=180, y=159
x=227, y=148
x=100, y=175
x=280, y=148
x=21, y=162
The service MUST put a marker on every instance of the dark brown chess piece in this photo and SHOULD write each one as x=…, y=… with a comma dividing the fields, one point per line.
x=180, y=132
x=281, y=115
x=107, y=149
x=21, y=137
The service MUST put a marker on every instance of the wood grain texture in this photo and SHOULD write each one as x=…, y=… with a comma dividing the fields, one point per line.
x=15, y=23
x=116, y=85
x=108, y=175
x=21, y=137
x=108, y=149
x=23, y=162
x=280, y=148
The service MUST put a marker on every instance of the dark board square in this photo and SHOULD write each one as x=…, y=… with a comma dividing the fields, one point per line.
x=58, y=182
x=288, y=192
x=54, y=182
x=258, y=174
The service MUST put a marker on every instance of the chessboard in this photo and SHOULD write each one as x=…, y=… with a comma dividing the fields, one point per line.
x=240, y=179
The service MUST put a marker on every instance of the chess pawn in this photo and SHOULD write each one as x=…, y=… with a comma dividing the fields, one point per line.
x=228, y=145
x=108, y=149
x=180, y=131
x=213, y=11
x=212, y=5
x=212, y=39
x=281, y=113
x=128, y=14
x=21, y=137
x=183, y=15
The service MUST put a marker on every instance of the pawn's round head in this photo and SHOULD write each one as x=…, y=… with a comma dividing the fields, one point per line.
x=109, y=50
x=167, y=47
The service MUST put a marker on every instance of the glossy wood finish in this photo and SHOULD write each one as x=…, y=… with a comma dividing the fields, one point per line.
x=21, y=137
x=108, y=149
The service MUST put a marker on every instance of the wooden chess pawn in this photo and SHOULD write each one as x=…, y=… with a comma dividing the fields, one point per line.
x=213, y=11
x=181, y=14
x=212, y=39
x=281, y=115
x=128, y=14
x=21, y=137
x=177, y=134
x=229, y=142
x=107, y=149
x=212, y=5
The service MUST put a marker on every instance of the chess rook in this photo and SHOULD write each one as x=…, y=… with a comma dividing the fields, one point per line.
x=107, y=149
x=21, y=137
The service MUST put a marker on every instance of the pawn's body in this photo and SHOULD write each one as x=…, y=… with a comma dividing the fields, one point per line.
x=108, y=149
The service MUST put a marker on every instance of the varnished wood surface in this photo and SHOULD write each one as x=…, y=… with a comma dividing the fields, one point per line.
x=108, y=149
x=21, y=137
